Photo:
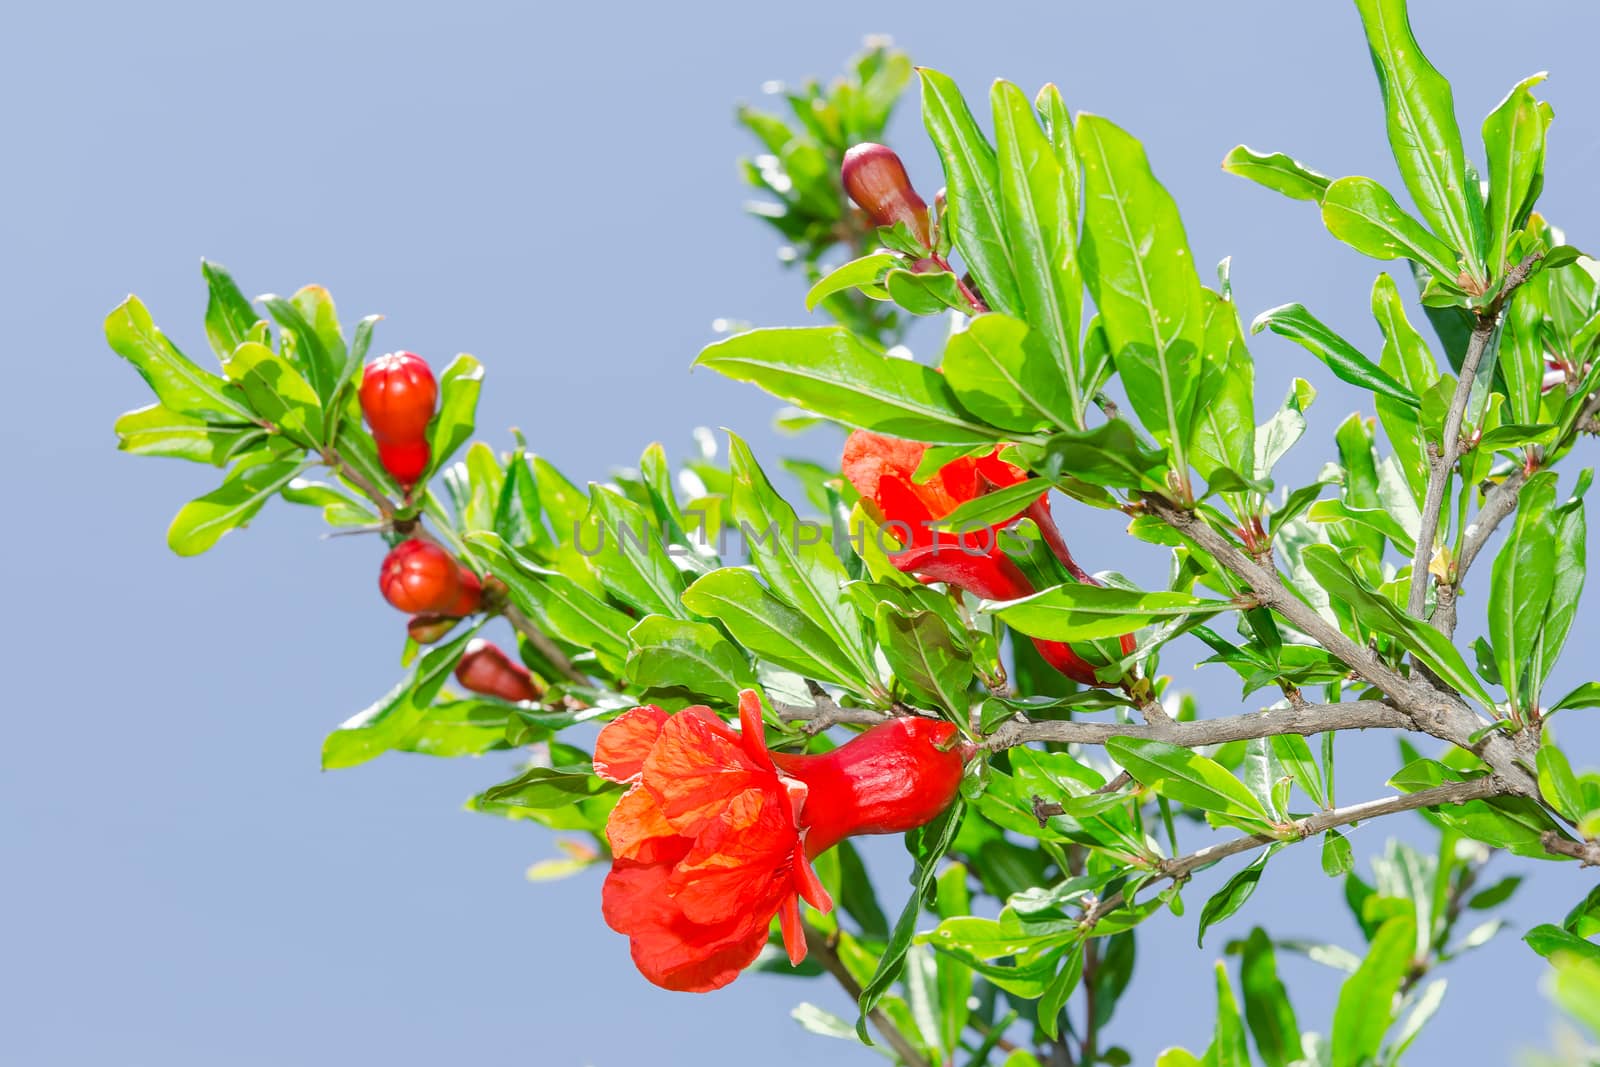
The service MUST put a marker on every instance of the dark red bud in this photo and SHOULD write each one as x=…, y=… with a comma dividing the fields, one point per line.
x=487, y=670
x=430, y=626
x=398, y=397
x=406, y=462
x=876, y=180
x=419, y=576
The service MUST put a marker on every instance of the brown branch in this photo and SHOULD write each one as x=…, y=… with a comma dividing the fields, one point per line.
x=337, y=463
x=1442, y=462
x=1431, y=710
x=1586, y=852
x=824, y=713
x=1305, y=721
x=1183, y=866
x=1497, y=507
x=819, y=946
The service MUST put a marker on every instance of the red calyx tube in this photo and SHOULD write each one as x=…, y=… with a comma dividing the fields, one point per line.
x=877, y=181
x=487, y=670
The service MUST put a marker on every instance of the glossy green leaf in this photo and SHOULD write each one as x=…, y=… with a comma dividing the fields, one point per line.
x=1004, y=378
x=201, y=522
x=1223, y=434
x=1570, y=565
x=452, y=427
x=923, y=654
x=1423, y=134
x=1110, y=455
x=1577, y=988
x=928, y=845
x=1549, y=941
x=972, y=184
x=1266, y=1002
x=1294, y=755
x=1076, y=611
x=277, y=391
x=1519, y=590
x=156, y=431
x=671, y=653
x=1185, y=776
x=1362, y=214
x=1337, y=858
x=1296, y=323
x=865, y=272
x=1367, y=998
x=229, y=315
x=1407, y=359
x=560, y=606
x=629, y=559
x=1233, y=894
x=771, y=628
x=178, y=383
x=833, y=372
x=320, y=364
x=1379, y=613
x=1558, y=785
x=1514, y=140
x=1137, y=262
x=1039, y=210
x=1276, y=171
x=1228, y=1047
x=1586, y=695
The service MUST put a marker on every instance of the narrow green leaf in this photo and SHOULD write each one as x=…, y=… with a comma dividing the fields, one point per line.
x=831, y=371
x=229, y=315
x=670, y=653
x=1137, y=262
x=452, y=427
x=1423, y=134
x=972, y=184
x=923, y=654
x=178, y=383
x=864, y=273
x=1514, y=141
x=1077, y=611
x=630, y=560
x=1185, y=776
x=1367, y=998
x=201, y=522
x=1520, y=587
x=1223, y=434
x=1266, y=1002
x=1362, y=214
x=1231, y=897
x=1296, y=323
x=1558, y=785
x=156, y=431
x=1276, y=171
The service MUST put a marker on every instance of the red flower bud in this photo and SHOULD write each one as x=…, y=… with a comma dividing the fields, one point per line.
x=470, y=599
x=419, y=576
x=406, y=461
x=716, y=834
x=398, y=396
x=430, y=626
x=487, y=670
x=876, y=180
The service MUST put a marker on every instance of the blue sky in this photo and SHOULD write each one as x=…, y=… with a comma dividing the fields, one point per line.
x=553, y=191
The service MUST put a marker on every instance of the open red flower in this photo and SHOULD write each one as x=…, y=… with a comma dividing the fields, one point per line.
x=716, y=834
x=883, y=470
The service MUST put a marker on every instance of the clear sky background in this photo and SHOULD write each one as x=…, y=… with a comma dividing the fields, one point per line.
x=551, y=188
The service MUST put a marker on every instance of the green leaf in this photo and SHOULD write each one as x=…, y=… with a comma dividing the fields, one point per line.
x=1294, y=754
x=1367, y=998
x=1514, y=141
x=1423, y=133
x=1266, y=1002
x=1558, y=785
x=797, y=561
x=1002, y=378
x=1362, y=214
x=201, y=522
x=559, y=606
x=178, y=383
x=1228, y=1048
x=1077, y=611
x=1337, y=858
x=277, y=391
x=928, y=846
x=926, y=292
x=1296, y=323
x=1039, y=209
x=1519, y=591
x=1577, y=989
x=1234, y=892
x=865, y=273
x=830, y=370
x=1223, y=434
x=819, y=1021
x=452, y=427
x=321, y=363
x=1407, y=359
x=1549, y=941
x=993, y=509
x=670, y=653
x=1185, y=776
x=972, y=183
x=922, y=654
x=1110, y=455
x=1586, y=695
x=229, y=315
x=1570, y=567
x=156, y=431
x=629, y=560
x=1276, y=171
x=771, y=628
x=1379, y=613
x=951, y=898
x=1137, y=261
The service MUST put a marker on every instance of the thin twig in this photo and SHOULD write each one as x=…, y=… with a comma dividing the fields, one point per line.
x=1586, y=852
x=1442, y=461
x=1305, y=721
x=1497, y=507
x=819, y=946
x=1183, y=866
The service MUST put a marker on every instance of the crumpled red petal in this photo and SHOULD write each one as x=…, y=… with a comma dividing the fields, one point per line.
x=621, y=748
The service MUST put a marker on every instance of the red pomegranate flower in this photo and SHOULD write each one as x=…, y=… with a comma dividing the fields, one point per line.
x=716, y=834
x=883, y=470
